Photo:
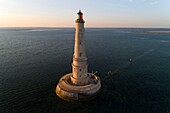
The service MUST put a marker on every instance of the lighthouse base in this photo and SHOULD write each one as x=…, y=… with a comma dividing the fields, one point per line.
x=70, y=92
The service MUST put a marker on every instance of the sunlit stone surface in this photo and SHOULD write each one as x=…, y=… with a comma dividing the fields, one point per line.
x=79, y=85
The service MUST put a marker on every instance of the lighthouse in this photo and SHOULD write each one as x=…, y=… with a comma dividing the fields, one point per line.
x=80, y=84
x=79, y=65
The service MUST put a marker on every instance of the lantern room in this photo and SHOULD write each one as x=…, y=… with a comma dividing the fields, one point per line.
x=80, y=15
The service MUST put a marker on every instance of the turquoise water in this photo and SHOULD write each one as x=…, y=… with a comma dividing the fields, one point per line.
x=33, y=59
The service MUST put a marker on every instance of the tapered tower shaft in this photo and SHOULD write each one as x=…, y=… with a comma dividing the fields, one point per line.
x=79, y=65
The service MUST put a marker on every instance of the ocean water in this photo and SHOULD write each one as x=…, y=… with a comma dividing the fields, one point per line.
x=33, y=59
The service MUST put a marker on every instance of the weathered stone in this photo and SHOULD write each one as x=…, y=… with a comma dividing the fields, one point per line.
x=79, y=85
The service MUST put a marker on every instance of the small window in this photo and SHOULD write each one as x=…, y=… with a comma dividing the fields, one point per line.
x=80, y=54
x=80, y=69
x=80, y=75
x=80, y=42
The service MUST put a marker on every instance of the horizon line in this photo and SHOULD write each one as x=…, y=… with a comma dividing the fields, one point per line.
x=87, y=27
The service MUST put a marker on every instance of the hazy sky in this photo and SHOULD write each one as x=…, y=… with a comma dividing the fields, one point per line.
x=97, y=13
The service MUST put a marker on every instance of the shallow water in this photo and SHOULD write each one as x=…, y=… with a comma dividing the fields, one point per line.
x=33, y=59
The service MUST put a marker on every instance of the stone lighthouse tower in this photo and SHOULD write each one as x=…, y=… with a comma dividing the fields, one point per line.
x=79, y=85
x=79, y=66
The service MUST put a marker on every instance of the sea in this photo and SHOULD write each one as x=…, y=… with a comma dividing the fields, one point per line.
x=133, y=64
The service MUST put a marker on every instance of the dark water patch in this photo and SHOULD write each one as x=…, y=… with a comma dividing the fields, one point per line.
x=31, y=64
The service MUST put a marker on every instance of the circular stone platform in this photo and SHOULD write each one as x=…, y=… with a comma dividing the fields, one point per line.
x=68, y=91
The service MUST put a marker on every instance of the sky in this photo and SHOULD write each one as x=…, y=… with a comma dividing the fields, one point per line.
x=97, y=13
